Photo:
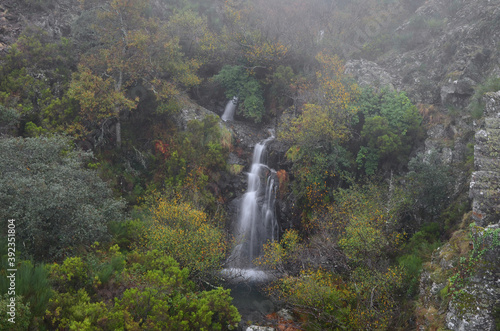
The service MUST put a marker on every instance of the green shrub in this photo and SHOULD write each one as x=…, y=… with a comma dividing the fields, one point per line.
x=430, y=184
x=71, y=275
x=418, y=249
x=9, y=116
x=391, y=126
x=125, y=233
x=57, y=204
x=189, y=163
x=23, y=314
x=153, y=293
x=412, y=266
x=33, y=289
x=185, y=233
x=477, y=104
x=35, y=74
x=32, y=130
x=71, y=310
x=237, y=81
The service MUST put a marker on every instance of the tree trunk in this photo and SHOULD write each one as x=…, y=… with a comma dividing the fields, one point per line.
x=118, y=133
x=118, y=87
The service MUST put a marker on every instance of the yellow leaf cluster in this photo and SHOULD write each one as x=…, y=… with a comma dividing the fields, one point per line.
x=186, y=234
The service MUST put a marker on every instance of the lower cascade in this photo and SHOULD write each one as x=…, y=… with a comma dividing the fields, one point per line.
x=257, y=223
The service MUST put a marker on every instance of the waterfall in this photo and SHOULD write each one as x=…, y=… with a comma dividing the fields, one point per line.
x=229, y=111
x=257, y=223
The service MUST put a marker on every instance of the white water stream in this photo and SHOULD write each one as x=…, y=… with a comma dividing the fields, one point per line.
x=229, y=110
x=257, y=223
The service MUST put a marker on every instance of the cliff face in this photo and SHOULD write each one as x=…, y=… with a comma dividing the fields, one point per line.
x=460, y=287
x=475, y=307
x=457, y=48
x=485, y=184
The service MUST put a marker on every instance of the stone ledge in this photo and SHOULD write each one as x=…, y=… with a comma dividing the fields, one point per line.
x=487, y=163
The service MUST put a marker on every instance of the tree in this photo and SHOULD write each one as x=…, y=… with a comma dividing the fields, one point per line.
x=57, y=205
x=247, y=35
x=328, y=113
x=34, y=77
x=430, y=183
x=135, y=49
x=317, y=134
x=391, y=126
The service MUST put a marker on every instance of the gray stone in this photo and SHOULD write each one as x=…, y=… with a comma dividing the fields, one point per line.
x=472, y=311
x=457, y=90
x=189, y=112
x=485, y=182
x=492, y=100
x=259, y=328
x=285, y=315
x=368, y=73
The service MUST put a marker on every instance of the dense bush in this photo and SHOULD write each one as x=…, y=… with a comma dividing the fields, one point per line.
x=32, y=290
x=185, y=233
x=57, y=204
x=430, y=185
x=238, y=82
x=188, y=162
x=390, y=128
x=318, y=133
x=363, y=301
x=151, y=292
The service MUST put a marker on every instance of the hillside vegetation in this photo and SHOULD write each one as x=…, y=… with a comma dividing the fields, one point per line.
x=115, y=166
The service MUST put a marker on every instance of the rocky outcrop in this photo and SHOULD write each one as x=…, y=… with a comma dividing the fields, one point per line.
x=460, y=287
x=474, y=307
x=368, y=73
x=475, y=272
x=189, y=112
x=457, y=92
x=446, y=49
x=485, y=183
x=431, y=311
x=55, y=17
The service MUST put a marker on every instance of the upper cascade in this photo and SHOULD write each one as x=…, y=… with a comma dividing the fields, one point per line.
x=229, y=110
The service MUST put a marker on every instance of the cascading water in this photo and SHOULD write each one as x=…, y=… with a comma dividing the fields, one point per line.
x=229, y=110
x=257, y=222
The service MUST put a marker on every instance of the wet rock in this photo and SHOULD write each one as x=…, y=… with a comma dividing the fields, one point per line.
x=189, y=112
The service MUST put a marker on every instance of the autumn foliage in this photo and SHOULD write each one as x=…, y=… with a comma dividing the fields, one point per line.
x=185, y=233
